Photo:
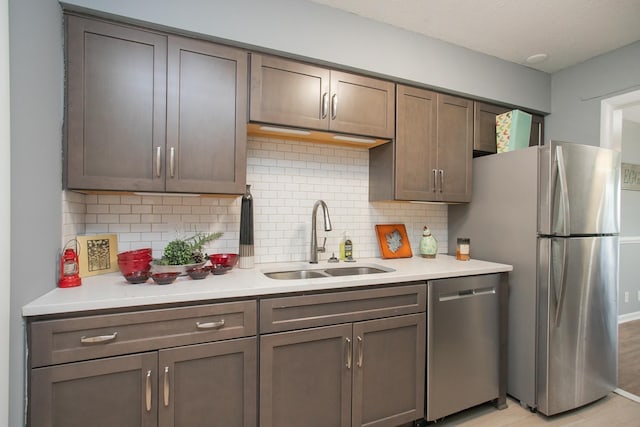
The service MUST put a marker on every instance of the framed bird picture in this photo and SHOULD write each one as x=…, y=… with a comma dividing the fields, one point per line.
x=393, y=241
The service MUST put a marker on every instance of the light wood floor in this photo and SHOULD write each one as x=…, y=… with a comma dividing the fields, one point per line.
x=611, y=411
x=629, y=357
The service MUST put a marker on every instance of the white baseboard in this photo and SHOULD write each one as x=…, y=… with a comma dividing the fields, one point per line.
x=626, y=394
x=623, y=318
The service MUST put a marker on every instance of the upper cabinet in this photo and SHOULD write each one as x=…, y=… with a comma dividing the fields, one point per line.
x=484, y=133
x=206, y=117
x=290, y=93
x=148, y=111
x=430, y=159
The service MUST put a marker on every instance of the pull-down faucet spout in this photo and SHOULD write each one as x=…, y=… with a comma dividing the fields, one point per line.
x=313, y=259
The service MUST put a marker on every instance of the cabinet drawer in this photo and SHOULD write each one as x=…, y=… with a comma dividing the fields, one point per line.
x=83, y=338
x=283, y=314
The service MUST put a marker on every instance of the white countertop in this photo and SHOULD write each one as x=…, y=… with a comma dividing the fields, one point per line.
x=112, y=290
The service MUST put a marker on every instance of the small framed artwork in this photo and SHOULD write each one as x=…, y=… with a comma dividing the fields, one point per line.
x=98, y=254
x=393, y=241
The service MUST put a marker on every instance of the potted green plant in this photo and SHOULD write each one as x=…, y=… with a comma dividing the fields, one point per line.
x=183, y=253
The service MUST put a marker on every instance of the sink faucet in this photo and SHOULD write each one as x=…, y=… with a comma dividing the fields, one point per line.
x=314, y=235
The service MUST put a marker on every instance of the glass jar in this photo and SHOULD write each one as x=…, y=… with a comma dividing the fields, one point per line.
x=463, y=249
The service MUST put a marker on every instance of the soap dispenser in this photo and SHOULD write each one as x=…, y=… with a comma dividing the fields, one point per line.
x=428, y=244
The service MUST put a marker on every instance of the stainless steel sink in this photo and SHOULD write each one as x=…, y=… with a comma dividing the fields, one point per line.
x=353, y=271
x=327, y=272
x=296, y=274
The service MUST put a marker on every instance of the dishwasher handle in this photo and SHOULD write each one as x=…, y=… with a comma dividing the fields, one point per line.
x=466, y=293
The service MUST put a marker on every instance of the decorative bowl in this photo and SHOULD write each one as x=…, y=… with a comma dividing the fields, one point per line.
x=139, y=276
x=180, y=269
x=164, y=278
x=135, y=254
x=197, y=273
x=129, y=267
x=220, y=269
x=228, y=260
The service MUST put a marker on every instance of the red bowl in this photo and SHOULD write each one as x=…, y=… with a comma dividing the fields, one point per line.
x=198, y=273
x=227, y=260
x=128, y=267
x=135, y=254
x=164, y=278
x=137, y=277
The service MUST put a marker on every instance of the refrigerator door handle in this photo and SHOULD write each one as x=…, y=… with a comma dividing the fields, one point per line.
x=564, y=193
x=559, y=293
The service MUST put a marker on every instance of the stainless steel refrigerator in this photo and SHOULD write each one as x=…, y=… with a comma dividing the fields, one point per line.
x=553, y=213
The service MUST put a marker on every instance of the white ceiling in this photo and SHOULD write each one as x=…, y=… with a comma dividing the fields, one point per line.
x=568, y=31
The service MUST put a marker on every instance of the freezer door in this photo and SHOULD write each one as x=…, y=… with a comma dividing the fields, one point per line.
x=579, y=190
x=578, y=329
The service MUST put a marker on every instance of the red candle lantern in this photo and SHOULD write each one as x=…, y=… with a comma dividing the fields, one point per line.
x=69, y=267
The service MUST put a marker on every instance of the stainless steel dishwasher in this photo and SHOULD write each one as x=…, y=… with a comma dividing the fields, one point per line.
x=465, y=344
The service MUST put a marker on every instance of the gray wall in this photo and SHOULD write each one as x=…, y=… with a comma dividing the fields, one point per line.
x=630, y=218
x=576, y=93
x=36, y=67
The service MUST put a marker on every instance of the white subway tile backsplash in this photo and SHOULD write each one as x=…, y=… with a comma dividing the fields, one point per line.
x=286, y=178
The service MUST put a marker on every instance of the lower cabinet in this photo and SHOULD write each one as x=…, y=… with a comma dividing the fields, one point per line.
x=344, y=358
x=367, y=373
x=211, y=384
x=172, y=367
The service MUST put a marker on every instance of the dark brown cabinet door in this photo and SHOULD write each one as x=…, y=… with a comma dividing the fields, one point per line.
x=206, y=117
x=212, y=385
x=305, y=377
x=389, y=371
x=433, y=149
x=484, y=129
x=537, y=130
x=117, y=391
x=289, y=93
x=116, y=92
x=416, y=150
x=362, y=105
x=455, y=148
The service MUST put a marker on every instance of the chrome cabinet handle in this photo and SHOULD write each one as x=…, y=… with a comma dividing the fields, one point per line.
x=172, y=162
x=148, y=391
x=166, y=386
x=435, y=179
x=325, y=104
x=360, y=351
x=210, y=325
x=158, y=158
x=334, y=106
x=563, y=282
x=539, y=133
x=564, y=192
x=441, y=180
x=99, y=339
x=349, y=351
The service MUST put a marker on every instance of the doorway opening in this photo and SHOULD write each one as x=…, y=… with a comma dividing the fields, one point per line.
x=619, y=116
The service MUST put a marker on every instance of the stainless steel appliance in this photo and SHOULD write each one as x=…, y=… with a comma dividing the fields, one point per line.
x=553, y=213
x=463, y=344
